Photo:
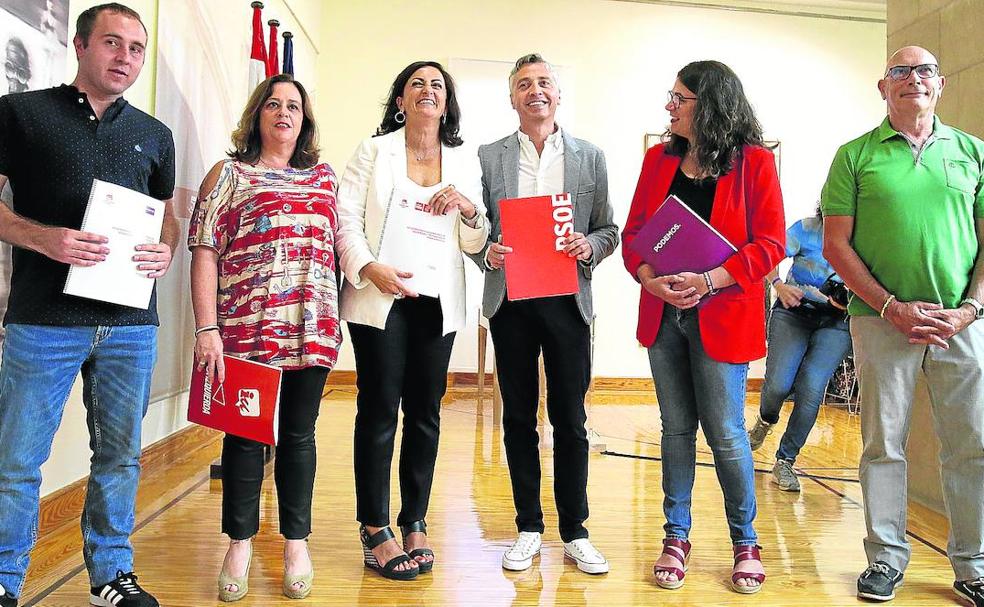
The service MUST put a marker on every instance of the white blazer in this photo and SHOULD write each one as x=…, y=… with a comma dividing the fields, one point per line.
x=363, y=195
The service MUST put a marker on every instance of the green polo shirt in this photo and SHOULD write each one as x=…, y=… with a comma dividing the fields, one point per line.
x=913, y=214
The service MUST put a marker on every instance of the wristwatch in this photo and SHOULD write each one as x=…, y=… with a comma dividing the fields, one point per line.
x=978, y=307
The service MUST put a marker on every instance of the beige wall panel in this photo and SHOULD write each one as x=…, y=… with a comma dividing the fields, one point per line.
x=928, y=6
x=901, y=13
x=961, y=23
x=924, y=32
x=965, y=98
x=948, y=108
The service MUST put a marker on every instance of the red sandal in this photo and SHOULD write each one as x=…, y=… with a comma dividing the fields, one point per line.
x=680, y=550
x=747, y=553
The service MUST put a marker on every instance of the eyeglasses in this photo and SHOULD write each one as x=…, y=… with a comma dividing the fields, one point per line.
x=902, y=72
x=676, y=99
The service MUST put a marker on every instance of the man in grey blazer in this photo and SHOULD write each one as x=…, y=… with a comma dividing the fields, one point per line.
x=541, y=159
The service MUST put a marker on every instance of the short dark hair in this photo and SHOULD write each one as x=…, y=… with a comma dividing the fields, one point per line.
x=87, y=19
x=448, y=130
x=724, y=121
x=246, y=139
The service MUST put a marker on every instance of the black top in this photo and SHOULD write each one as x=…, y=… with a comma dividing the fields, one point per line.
x=51, y=148
x=698, y=194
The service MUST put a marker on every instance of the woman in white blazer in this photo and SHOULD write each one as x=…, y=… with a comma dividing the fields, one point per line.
x=402, y=339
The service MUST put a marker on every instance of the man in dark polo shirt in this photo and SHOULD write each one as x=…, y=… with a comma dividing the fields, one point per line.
x=53, y=143
x=903, y=226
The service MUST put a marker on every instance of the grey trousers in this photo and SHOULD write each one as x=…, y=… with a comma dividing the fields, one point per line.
x=888, y=367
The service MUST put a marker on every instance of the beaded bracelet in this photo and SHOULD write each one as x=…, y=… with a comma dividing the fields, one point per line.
x=890, y=299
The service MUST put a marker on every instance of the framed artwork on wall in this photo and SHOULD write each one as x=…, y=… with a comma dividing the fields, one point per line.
x=649, y=140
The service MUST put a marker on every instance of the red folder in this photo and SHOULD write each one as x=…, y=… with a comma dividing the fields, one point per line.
x=536, y=229
x=247, y=404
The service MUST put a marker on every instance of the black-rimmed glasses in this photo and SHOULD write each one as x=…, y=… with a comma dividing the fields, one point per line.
x=902, y=72
x=676, y=99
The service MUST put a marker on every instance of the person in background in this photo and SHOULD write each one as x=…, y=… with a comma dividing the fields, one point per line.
x=264, y=288
x=713, y=160
x=541, y=159
x=402, y=339
x=808, y=339
x=53, y=143
x=903, y=210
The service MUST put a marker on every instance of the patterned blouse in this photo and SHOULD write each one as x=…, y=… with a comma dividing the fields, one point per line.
x=274, y=231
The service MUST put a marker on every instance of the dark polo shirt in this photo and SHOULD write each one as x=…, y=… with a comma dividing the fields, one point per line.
x=51, y=148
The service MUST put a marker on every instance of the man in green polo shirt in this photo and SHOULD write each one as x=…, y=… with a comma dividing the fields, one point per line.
x=903, y=213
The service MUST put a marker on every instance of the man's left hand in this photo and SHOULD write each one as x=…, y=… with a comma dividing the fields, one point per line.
x=578, y=246
x=958, y=318
x=155, y=259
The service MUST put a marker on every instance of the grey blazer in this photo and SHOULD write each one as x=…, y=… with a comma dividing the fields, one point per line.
x=585, y=177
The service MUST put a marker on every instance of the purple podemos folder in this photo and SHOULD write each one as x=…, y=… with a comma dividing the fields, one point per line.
x=675, y=239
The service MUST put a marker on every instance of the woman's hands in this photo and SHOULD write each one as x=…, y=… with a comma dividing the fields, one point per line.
x=789, y=295
x=387, y=279
x=208, y=355
x=681, y=290
x=448, y=199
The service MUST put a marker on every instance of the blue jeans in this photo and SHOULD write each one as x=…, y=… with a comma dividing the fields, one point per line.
x=40, y=364
x=694, y=389
x=803, y=354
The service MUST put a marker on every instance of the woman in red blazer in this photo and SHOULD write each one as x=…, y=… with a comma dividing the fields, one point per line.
x=712, y=159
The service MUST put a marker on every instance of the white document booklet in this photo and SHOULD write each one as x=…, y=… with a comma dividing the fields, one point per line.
x=126, y=218
x=416, y=241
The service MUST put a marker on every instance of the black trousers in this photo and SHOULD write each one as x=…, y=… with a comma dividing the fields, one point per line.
x=520, y=330
x=405, y=362
x=294, y=466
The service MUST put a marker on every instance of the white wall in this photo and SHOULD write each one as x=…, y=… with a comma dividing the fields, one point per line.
x=812, y=82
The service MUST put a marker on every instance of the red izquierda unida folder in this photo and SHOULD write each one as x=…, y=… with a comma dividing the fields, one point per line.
x=246, y=404
x=536, y=228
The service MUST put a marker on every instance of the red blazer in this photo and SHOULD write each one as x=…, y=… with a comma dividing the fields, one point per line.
x=748, y=212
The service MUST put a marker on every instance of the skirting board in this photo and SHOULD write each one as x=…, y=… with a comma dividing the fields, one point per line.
x=64, y=506
x=459, y=379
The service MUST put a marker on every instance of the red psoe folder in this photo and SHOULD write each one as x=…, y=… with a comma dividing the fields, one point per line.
x=536, y=229
x=247, y=404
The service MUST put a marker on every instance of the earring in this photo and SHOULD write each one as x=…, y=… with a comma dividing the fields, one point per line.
x=400, y=117
x=444, y=119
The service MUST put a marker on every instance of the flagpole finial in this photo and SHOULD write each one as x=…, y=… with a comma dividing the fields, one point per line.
x=256, y=4
x=273, y=22
x=287, y=35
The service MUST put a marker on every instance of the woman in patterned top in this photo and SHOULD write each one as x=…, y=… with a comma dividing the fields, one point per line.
x=264, y=288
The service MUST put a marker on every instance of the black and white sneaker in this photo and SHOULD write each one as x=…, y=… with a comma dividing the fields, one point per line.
x=122, y=592
x=971, y=591
x=6, y=600
x=879, y=581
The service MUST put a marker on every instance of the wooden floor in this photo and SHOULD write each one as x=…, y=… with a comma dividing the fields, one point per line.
x=812, y=541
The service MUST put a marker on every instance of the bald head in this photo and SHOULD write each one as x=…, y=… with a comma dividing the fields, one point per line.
x=912, y=85
x=911, y=55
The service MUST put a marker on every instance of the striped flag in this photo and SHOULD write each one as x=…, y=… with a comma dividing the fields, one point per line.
x=273, y=62
x=257, y=56
x=288, y=53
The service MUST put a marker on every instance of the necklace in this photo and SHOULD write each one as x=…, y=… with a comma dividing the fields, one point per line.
x=270, y=166
x=426, y=155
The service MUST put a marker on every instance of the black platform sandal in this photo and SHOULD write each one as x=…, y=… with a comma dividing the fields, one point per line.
x=389, y=570
x=414, y=527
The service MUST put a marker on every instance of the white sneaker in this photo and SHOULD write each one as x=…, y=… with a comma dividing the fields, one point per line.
x=587, y=557
x=520, y=554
